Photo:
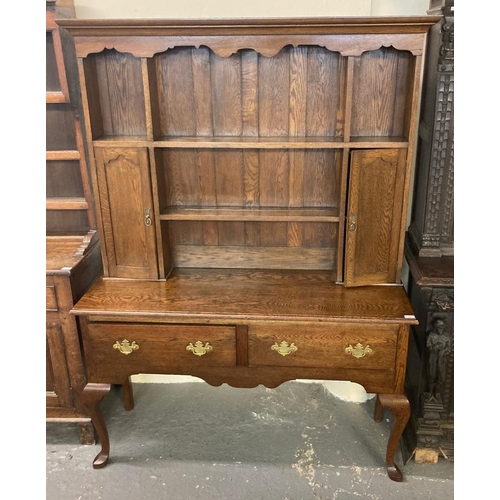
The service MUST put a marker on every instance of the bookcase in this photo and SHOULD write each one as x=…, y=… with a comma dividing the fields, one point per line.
x=251, y=183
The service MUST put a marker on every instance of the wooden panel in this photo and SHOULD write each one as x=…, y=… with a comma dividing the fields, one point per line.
x=125, y=195
x=51, y=71
x=161, y=347
x=279, y=257
x=274, y=84
x=89, y=82
x=121, y=94
x=50, y=298
x=60, y=128
x=50, y=383
x=66, y=222
x=381, y=84
x=258, y=178
x=229, y=178
x=63, y=179
x=374, y=214
x=226, y=77
x=324, y=346
x=323, y=93
x=175, y=87
x=297, y=92
x=313, y=234
x=59, y=367
x=273, y=178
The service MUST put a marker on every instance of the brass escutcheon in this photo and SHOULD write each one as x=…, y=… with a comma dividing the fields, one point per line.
x=126, y=347
x=147, y=217
x=198, y=348
x=284, y=348
x=353, y=225
x=358, y=351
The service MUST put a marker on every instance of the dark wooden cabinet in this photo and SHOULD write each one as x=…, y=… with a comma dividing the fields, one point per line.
x=73, y=259
x=252, y=182
x=430, y=255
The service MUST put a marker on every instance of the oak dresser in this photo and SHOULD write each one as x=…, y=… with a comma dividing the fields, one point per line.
x=252, y=183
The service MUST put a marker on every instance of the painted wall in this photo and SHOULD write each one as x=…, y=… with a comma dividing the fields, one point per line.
x=399, y=7
x=257, y=8
x=220, y=8
x=87, y=9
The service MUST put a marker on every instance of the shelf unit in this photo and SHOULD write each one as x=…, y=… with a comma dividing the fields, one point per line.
x=241, y=158
x=252, y=181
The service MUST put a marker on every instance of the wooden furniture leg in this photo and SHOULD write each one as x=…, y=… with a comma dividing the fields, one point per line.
x=399, y=406
x=128, y=395
x=91, y=396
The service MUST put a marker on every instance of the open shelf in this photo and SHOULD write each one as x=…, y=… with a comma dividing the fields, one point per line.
x=251, y=214
x=243, y=156
x=378, y=142
x=250, y=142
x=66, y=204
x=239, y=142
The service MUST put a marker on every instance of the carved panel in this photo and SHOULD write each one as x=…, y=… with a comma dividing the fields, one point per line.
x=432, y=227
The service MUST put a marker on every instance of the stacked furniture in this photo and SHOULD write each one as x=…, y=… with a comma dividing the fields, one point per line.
x=251, y=182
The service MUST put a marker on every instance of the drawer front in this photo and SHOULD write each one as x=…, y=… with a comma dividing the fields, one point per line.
x=150, y=348
x=348, y=345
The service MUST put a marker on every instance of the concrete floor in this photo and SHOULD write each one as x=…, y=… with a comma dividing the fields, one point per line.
x=193, y=441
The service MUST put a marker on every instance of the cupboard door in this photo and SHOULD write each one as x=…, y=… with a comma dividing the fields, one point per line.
x=127, y=212
x=375, y=204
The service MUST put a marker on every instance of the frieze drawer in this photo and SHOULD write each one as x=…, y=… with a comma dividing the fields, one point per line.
x=347, y=345
x=112, y=348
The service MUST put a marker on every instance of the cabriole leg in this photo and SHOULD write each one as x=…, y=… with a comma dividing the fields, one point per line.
x=91, y=396
x=399, y=406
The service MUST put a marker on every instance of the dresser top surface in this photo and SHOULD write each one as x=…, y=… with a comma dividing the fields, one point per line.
x=247, y=295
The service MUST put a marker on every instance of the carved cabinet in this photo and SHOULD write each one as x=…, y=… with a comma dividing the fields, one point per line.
x=430, y=255
x=252, y=181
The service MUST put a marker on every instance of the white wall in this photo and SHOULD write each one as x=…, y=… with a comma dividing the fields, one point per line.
x=220, y=8
x=399, y=8
x=257, y=8
x=87, y=9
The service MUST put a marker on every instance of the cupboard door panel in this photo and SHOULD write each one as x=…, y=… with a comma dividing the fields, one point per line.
x=126, y=200
x=374, y=210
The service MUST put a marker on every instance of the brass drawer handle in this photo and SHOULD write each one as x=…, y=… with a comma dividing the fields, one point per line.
x=284, y=348
x=198, y=349
x=358, y=351
x=126, y=347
